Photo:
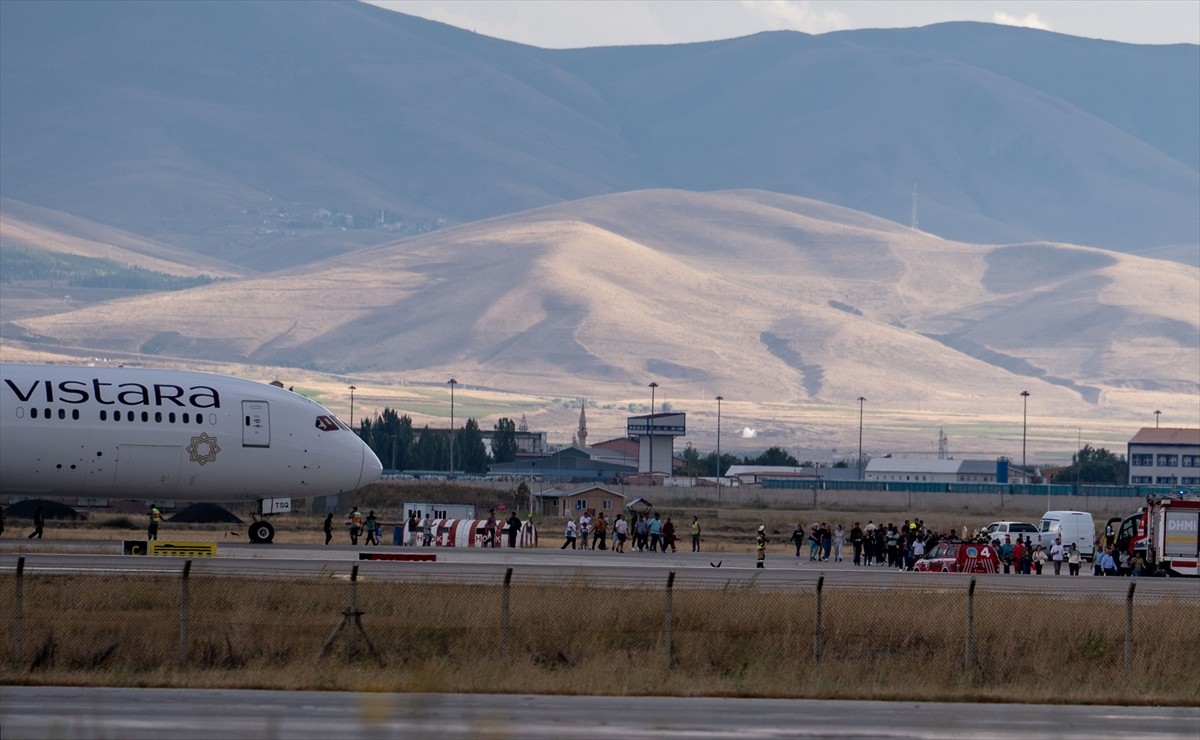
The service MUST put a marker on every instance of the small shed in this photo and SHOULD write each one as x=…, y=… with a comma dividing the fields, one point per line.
x=591, y=499
x=439, y=511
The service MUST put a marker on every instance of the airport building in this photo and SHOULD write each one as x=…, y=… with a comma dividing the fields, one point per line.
x=931, y=470
x=1164, y=457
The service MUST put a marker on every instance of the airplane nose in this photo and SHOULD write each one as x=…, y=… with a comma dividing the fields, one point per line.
x=372, y=469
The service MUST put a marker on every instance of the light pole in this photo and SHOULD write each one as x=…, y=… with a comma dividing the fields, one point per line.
x=452, y=383
x=650, y=429
x=719, y=399
x=861, y=401
x=1156, y=415
x=531, y=477
x=1024, y=428
x=352, y=389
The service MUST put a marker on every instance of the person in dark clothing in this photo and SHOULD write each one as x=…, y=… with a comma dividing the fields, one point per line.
x=798, y=538
x=856, y=541
x=328, y=528
x=39, y=523
x=668, y=534
x=489, y=529
x=514, y=526
x=372, y=529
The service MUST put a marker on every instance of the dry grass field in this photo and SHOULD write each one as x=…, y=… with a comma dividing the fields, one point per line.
x=569, y=636
x=592, y=638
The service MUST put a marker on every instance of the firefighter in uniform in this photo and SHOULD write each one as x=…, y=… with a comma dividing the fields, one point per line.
x=760, y=545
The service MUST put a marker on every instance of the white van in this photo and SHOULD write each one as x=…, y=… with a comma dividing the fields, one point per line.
x=1071, y=526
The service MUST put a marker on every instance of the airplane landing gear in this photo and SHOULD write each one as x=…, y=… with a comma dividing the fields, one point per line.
x=261, y=532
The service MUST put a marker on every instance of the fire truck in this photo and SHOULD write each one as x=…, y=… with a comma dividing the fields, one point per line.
x=1166, y=531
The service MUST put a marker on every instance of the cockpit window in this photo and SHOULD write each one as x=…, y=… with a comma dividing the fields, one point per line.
x=326, y=424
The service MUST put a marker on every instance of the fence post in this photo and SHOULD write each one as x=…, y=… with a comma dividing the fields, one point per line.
x=668, y=622
x=1129, y=628
x=970, y=656
x=504, y=613
x=817, y=622
x=18, y=610
x=185, y=602
x=352, y=613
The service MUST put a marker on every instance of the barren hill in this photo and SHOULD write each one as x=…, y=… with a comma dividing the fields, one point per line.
x=759, y=296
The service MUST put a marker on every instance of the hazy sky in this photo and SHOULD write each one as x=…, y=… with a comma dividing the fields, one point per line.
x=578, y=23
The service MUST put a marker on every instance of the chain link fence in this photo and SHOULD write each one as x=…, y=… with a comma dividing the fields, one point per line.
x=527, y=632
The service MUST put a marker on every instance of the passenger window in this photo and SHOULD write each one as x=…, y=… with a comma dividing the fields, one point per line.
x=185, y=417
x=62, y=413
x=103, y=414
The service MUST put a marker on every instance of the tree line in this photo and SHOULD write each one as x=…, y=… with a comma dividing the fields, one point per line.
x=401, y=447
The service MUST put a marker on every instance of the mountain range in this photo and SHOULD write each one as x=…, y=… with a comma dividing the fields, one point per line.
x=936, y=218
x=270, y=134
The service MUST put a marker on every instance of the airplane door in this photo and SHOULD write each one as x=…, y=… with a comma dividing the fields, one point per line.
x=256, y=424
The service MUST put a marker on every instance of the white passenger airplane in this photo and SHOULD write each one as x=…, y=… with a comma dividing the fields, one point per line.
x=170, y=435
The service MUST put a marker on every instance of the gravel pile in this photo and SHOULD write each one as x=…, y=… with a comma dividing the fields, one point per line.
x=204, y=514
x=51, y=510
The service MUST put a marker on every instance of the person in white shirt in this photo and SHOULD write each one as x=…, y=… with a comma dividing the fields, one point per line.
x=1056, y=555
x=570, y=534
x=620, y=533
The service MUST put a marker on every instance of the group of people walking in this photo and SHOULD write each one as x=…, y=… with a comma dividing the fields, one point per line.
x=648, y=533
x=823, y=541
x=367, y=527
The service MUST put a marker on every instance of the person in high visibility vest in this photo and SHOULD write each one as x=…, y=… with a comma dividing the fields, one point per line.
x=760, y=545
x=356, y=522
x=155, y=520
x=695, y=534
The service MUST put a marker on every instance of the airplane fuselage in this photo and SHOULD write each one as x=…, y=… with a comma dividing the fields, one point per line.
x=76, y=431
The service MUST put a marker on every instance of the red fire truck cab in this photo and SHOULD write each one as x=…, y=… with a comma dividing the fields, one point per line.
x=1166, y=531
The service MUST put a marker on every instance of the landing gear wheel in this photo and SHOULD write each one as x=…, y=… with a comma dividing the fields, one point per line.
x=262, y=532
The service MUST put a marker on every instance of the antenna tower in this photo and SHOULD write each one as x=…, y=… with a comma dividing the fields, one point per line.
x=943, y=446
x=913, y=217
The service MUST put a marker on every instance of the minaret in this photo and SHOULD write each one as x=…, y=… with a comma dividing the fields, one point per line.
x=582, y=433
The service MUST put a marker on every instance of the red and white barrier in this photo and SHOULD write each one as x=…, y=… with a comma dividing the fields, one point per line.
x=473, y=533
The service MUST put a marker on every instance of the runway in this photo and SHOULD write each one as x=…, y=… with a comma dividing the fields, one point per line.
x=54, y=713
x=631, y=569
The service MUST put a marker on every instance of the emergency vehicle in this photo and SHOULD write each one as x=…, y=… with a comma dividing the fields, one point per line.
x=960, y=557
x=1166, y=531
